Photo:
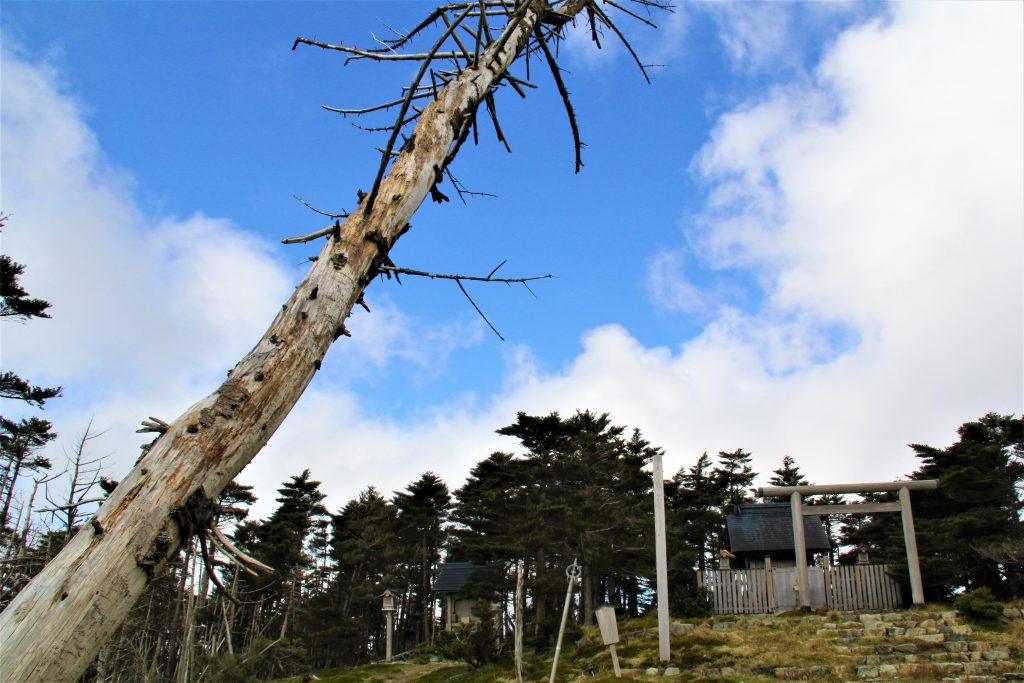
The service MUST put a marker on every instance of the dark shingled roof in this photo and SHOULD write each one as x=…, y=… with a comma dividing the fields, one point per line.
x=453, y=576
x=767, y=527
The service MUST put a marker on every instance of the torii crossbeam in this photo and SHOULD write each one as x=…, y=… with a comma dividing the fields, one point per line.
x=796, y=494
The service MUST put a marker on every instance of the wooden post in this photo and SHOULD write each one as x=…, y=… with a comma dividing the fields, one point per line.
x=910, y=539
x=387, y=640
x=609, y=634
x=615, y=661
x=660, y=558
x=518, y=636
x=800, y=547
x=769, y=580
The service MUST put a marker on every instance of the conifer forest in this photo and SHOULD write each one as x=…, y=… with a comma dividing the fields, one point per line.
x=300, y=590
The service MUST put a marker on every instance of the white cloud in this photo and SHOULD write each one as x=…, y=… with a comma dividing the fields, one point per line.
x=878, y=206
x=652, y=46
x=147, y=313
x=669, y=287
x=754, y=34
x=389, y=334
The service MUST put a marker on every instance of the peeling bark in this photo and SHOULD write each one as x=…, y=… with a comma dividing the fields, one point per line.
x=58, y=623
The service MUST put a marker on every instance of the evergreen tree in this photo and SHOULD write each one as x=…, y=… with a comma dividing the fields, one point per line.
x=422, y=510
x=280, y=542
x=735, y=476
x=788, y=475
x=20, y=440
x=977, y=508
x=579, y=491
x=20, y=443
x=365, y=550
x=695, y=501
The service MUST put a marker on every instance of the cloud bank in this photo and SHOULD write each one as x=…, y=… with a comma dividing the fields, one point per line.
x=876, y=205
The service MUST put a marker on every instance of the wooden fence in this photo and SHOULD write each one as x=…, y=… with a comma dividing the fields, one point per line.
x=861, y=587
x=765, y=591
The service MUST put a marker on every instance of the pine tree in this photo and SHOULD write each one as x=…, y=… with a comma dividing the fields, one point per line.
x=975, y=511
x=422, y=510
x=20, y=443
x=20, y=440
x=695, y=501
x=579, y=491
x=280, y=542
x=788, y=475
x=735, y=476
x=365, y=549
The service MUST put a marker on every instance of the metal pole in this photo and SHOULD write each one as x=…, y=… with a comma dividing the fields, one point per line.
x=800, y=547
x=660, y=559
x=573, y=573
x=388, y=639
x=910, y=540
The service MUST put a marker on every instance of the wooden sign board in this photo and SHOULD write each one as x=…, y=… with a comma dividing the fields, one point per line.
x=606, y=622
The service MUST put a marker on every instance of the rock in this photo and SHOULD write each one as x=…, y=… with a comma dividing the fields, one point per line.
x=671, y=671
x=651, y=671
x=677, y=629
x=789, y=673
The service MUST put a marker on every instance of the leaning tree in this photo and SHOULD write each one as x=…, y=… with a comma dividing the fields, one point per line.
x=58, y=623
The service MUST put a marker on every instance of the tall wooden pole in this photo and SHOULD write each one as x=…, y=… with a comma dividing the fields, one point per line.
x=910, y=539
x=518, y=635
x=387, y=639
x=661, y=559
x=800, y=547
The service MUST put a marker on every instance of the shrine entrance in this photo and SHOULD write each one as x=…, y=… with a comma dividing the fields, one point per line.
x=798, y=511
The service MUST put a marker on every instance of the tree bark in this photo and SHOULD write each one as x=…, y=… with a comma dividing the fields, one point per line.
x=55, y=627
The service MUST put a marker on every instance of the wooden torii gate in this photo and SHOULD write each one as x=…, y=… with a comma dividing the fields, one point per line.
x=796, y=494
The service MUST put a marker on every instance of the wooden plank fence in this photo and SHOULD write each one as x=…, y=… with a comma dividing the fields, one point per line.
x=847, y=588
x=861, y=587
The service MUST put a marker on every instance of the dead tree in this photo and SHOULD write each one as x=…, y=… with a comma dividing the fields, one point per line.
x=58, y=623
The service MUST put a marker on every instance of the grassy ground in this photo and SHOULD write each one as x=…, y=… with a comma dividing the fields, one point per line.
x=758, y=645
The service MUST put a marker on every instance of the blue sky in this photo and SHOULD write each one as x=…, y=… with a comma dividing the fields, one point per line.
x=803, y=237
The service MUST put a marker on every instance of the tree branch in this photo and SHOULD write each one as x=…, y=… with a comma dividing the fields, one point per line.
x=553, y=65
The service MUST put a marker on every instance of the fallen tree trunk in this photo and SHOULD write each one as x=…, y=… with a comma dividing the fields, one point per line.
x=58, y=623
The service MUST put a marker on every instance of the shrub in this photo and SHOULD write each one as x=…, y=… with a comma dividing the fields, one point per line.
x=691, y=601
x=475, y=643
x=979, y=604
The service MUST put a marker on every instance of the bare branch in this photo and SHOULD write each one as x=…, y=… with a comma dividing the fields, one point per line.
x=229, y=549
x=493, y=328
x=370, y=54
x=632, y=14
x=343, y=214
x=378, y=107
x=153, y=424
x=368, y=206
x=493, y=112
x=59, y=508
x=555, y=72
x=313, y=235
x=608, y=22
x=461, y=189
x=468, y=278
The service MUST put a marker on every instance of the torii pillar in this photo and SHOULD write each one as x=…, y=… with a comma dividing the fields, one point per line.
x=904, y=487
